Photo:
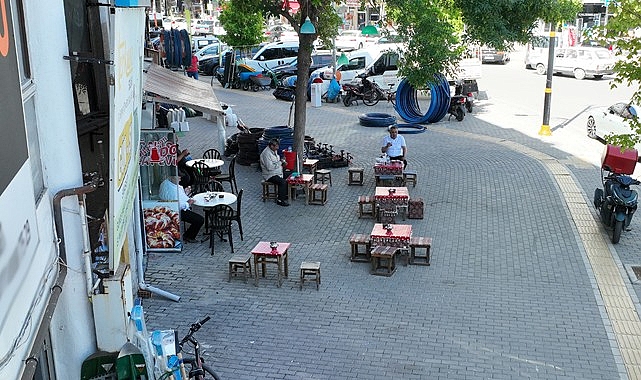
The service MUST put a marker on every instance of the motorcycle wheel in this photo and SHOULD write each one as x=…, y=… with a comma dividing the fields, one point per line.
x=468, y=106
x=460, y=114
x=598, y=198
x=370, y=98
x=347, y=100
x=616, y=234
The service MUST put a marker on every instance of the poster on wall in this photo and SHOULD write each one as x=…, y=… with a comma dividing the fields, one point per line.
x=124, y=123
x=160, y=207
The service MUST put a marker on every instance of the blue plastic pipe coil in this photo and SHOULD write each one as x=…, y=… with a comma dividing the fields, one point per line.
x=408, y=108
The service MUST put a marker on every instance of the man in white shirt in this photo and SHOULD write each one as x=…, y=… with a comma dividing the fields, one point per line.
x=394, y=145
x=272, y=166
x=170, y=190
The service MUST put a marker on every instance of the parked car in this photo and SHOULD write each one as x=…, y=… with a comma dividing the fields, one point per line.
x=349, y=40
x=209, y=57
x=202, y=27
x=274, y=32
x=579, y=61
x=491, y=55
x=274, y=54
x=200, y=42
x=614, y=119
x=319, y=59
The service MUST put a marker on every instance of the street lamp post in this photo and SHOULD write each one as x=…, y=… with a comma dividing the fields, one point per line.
x=545, y=127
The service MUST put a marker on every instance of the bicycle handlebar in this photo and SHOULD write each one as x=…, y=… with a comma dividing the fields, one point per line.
x=193, y=329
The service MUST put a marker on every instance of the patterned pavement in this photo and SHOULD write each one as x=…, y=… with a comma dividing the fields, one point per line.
x=510, y=292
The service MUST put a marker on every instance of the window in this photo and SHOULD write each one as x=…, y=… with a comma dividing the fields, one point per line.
x=356, y=63
x=289, y=52
x=571, y=54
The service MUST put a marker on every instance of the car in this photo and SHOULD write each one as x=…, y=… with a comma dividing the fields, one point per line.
x=319, y=59
x=202, y=27
x=212, y=49
x=274, y=32
x=615, y=119
x=580, y=61
x=349, y=40
x=273, y=54
x=200, y=42
x=492, y=55
x=391, y=38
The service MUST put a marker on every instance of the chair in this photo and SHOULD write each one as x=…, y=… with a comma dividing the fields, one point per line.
x=236, y=216
x=201, y=177
x=220, y=219
x=230, y=176
x=212, y=154
x=211, y=186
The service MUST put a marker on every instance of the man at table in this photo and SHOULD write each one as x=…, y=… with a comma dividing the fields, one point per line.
x=272, y=166
x=394, y=146
x=169, y=189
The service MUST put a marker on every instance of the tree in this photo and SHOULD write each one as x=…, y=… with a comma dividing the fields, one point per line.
x=623, y=33
x=434, y=30
x=243, y=24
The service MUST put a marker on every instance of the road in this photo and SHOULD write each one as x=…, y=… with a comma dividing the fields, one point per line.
x=516, y=97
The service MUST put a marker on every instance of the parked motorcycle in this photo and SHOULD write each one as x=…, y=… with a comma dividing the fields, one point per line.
x=366, y=90
x=616, y=202
x=457, y=106
x=469, y=97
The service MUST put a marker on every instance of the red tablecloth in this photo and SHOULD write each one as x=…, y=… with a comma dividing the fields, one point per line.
x=300, y=180
x=394, y=168
x=387, y=200
x=263, y=248
x=398, y=236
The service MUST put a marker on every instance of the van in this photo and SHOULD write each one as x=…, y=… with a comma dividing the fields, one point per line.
x=579, y=61
x=274, y=54
x=200, y=42
x=537, y=50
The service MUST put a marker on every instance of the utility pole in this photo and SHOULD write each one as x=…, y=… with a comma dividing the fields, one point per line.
x=545, y=127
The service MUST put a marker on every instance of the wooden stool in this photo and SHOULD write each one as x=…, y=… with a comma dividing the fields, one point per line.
x=355, y=176
x=309, y=268
x=318, y=194
x=356, y=240
x=389, y=180
x=270, y=190
x=322, y=175
x=363, y=201
x=384, y=260
x=410, y=176
x=240, y=261
x=420, y=242
x=415, y=208
x=386, y=216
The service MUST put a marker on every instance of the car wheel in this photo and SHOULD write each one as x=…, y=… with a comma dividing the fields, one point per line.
x=591, y=128
x=213, y=70
x=360, y=46
x=540, y=69
x=579, y=74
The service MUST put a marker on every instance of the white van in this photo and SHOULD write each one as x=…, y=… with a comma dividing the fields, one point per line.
x=274, y=54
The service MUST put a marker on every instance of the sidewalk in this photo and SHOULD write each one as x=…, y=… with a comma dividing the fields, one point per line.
x=511, y=292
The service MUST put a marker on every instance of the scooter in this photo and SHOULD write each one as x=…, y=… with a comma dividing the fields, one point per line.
x=616, y=202
x=469, y=97
x=457, y=107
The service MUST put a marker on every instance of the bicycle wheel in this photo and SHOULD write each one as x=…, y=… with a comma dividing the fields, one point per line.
x=209, y=372
x=370, y=98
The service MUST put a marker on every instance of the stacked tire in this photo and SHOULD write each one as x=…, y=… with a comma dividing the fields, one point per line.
x=284, y=134
x=248, y=152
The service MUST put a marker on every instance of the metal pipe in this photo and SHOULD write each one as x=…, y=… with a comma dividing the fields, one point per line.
x=31, y=362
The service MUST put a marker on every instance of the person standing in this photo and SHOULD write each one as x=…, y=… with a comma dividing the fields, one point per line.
x=272, y=167
x=192, y=71
x=394, y=146
x=169, y=189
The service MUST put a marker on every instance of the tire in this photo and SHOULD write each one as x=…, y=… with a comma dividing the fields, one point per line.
x=598, y=198
x=347, y=100
x=214, y=69
x=370, y=98
x=236, y=85
x=579, y=74
x=616, y=234
x=598, y=77
x=255, y=87
x=460, y=115
x=209, y=372
x=591, y=128
x=245, y=86
x=540, y=69
x=376, y=119
x=468, y=107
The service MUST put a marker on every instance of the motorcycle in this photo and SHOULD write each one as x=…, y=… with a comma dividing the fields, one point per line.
x=616, y=202
x=469, y=97
x=457, y=107
x=367, y=91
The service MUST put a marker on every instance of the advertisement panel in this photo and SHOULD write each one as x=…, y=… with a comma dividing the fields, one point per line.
x=158, y=151
x=124, y=123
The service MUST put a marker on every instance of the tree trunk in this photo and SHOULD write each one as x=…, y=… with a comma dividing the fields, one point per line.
x=300, y=105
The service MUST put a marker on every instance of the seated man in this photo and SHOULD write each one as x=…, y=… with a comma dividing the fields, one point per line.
x=272, y=167
x=394, y=146
x=169, y=189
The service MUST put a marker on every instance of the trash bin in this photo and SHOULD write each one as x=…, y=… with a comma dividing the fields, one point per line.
x=316, y=94
x=290, y=157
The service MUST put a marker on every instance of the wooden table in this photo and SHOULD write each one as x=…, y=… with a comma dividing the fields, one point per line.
x=391, y=198
x=211, y=163
x=264, y=254
x=398, y=236
x=393, y=168
x=304, y=180
x=310, y=164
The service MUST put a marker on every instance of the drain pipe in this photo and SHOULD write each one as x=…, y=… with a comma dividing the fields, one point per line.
x=31, y=362
x=141, y=272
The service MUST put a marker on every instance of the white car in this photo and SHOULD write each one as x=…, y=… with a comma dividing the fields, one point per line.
x=353, y=40
x=615, y=119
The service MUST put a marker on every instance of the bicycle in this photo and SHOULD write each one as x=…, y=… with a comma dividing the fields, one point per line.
x=198, y=369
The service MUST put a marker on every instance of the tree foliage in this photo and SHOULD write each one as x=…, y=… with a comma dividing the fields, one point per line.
x=243, y=24
x=623, y=32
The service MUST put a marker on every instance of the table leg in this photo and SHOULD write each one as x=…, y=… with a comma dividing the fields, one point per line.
x=280, y=269
x=256, y=270
x=286, y=256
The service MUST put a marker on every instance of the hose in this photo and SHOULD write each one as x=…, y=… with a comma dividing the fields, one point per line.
x=408, y=108
x=376, y=119
x=410, y=129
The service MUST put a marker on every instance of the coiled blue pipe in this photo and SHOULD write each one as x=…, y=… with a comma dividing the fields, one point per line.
x=408, y=108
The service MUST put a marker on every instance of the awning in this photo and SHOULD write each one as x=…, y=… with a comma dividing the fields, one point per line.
x=172, y=87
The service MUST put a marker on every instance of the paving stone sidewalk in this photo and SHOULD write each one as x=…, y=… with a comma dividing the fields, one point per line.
x=508, y=295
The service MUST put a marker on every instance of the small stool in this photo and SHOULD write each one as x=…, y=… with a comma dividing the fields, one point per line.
x=357, y=240
x=387, y=216
x=355, y=176
x=270, y=190
x=322, y=175
x=410, y=176
x=385, y=180
x=318, y=194
x=309, y=268
x=384, y=260
x=415, y=208
x=240, y=261
x=420, y=242
x=366, y=206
